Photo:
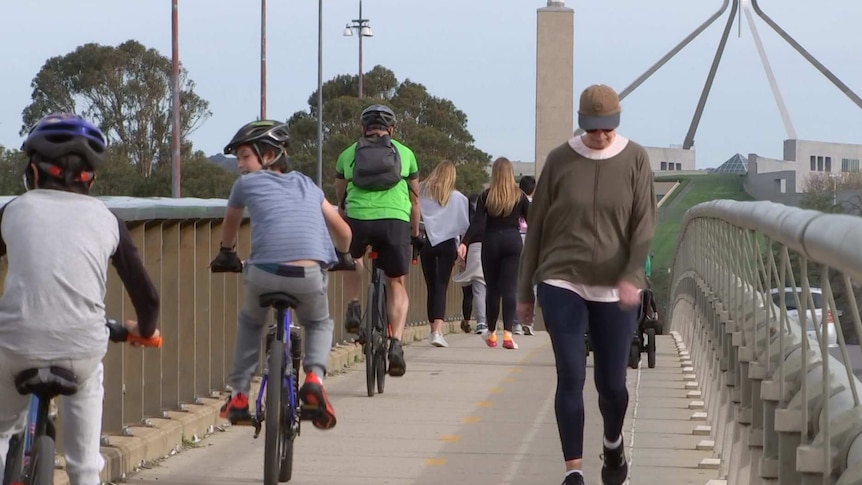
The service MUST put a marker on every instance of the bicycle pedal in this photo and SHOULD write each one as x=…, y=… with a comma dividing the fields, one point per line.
x=309, y=413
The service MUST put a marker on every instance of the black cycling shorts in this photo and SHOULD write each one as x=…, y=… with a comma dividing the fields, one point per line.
x=390, y=238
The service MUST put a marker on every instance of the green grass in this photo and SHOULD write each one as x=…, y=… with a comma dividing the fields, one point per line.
x=693, y=190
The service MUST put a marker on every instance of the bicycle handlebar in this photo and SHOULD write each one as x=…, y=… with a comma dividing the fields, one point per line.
x=118, y=333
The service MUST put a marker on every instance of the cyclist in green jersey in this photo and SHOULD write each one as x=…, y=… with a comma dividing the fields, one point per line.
x=377, y=184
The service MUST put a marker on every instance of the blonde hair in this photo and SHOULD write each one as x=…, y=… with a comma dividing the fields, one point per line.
x=503, y=193
x=440, y=183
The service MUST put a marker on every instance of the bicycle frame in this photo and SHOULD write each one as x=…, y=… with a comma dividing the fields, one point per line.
x=30, y=430
x=21, y=460
x=284, y=328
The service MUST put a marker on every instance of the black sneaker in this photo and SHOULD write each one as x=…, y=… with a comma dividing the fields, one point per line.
x=353, y=317
x=574, y=479
x=616, y=467
x=397, y=366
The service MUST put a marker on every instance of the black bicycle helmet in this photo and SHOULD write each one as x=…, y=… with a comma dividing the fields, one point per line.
x=56, y=136
x=269, y=132
x=378, y=115
x=274, y=133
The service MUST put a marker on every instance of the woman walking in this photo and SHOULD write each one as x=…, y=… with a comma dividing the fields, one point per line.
x=445, y=217
x=591, y=225
x=497, y=213
x=472, y=279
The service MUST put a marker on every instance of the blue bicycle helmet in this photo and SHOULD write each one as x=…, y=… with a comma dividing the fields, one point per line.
x=56, y=136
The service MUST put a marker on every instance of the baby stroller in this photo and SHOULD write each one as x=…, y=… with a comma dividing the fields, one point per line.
x=643, y=339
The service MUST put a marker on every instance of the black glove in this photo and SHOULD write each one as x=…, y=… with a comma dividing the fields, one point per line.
x=226, y=262
x=418, y=242
x=345, y=262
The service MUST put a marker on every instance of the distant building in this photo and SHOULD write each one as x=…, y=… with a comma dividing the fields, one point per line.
x=784, y=180
x=671, y=159
x=736, y=164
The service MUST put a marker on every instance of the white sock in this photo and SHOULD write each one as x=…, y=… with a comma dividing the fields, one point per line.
x=613, y=445
x=579, y=472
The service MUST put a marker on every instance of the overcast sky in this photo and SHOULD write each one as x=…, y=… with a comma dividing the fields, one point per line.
x=481, y=55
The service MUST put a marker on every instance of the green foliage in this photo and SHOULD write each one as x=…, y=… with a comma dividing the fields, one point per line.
x=200, y=177
x=433, y=127
x=11, y=168
x=693, y=190
x=126, y=90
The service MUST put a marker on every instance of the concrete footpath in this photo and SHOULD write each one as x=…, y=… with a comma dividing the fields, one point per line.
x=465, y=414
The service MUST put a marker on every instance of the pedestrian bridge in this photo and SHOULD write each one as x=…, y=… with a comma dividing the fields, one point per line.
x=752, y=385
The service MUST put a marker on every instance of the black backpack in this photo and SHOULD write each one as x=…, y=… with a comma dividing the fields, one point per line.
x=376, y=164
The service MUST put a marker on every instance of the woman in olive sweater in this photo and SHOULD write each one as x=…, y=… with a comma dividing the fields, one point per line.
x=591, y=225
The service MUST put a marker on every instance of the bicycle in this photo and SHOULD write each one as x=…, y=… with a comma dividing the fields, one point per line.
x=375, y=330
x=284, y=357
x=30, y=459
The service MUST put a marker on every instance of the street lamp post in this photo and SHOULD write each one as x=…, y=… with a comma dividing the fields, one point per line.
x=175, y=101
x=320, y=93
x=263, y=59
x=363, y=29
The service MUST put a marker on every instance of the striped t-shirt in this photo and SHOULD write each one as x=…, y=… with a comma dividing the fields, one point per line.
x=286, y=217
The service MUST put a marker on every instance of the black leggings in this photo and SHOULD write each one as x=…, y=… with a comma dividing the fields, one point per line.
x=467, y=302
x=566, y=317
x=501, y=254
x=437, y=264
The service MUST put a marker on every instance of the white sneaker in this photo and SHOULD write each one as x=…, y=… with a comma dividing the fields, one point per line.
x=437, y=340
x=481, y=327
x=517, y=329
x=528, y=330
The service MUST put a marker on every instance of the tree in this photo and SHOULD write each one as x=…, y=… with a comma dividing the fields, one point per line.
x=126, y=90
x=11, y=168
x=433, y=127
x=838, y=193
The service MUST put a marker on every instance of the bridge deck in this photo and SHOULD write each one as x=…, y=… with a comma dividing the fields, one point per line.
x=466, y=414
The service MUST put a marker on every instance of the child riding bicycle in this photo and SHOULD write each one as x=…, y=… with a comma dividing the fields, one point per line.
x=291, y=251
x=58, y=241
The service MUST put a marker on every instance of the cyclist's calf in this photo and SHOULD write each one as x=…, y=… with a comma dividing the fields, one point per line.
x=397, y=302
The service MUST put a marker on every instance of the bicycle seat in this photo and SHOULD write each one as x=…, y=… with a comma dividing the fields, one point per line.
x=47, y=382
x=279, y=300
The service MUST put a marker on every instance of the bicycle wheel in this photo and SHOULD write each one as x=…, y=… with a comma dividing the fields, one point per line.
x=42, y=462
x=274, y=393
x=382, y=329
x=370, y=342
x=650, y=347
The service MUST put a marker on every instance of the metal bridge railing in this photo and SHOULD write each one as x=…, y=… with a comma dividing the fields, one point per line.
x=761, y=292
x=177, y=239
